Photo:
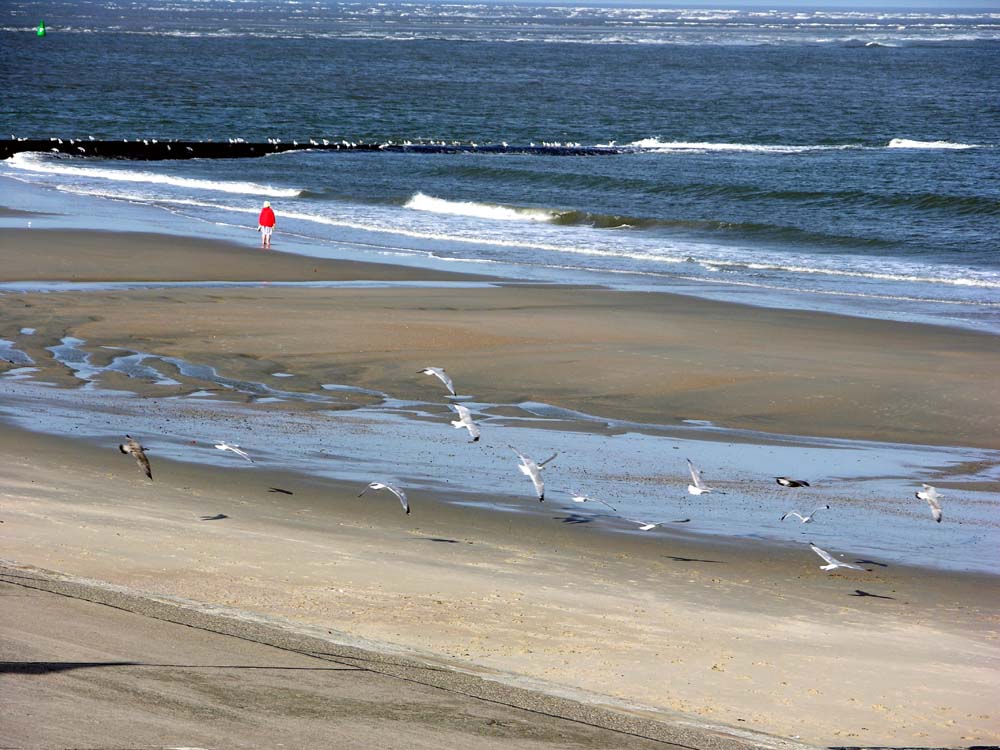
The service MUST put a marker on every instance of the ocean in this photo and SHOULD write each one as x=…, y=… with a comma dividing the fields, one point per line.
x=837, y=160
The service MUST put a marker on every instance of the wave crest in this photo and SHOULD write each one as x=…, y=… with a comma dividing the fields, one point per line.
x=422, y=202
x=907, y=143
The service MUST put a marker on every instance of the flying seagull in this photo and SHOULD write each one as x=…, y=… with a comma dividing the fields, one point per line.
x=789, y=482
x=224, y=446
x=581, y=498
x=394, y=490
x=802, y=518
x=133, y=446
x=533, y=471
x=699, y=487
x=833, y=562
x=647, y=525
x=465, y=420
x=930, y=494
x=439, y=373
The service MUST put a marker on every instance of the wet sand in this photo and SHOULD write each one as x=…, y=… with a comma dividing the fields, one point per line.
x=744, y=634
x=644, y=357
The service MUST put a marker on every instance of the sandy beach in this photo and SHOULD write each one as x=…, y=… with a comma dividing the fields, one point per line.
x=732, y=633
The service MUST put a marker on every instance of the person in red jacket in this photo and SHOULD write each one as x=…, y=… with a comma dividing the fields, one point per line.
x=265, y=225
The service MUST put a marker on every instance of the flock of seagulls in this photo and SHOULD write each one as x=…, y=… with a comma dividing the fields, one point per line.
x=533, y=470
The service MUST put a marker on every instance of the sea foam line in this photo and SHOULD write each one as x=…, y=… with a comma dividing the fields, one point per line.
x=682, y=256
x=33, y=162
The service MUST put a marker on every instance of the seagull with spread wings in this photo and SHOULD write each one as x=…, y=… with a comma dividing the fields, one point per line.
x=224, y=446
x=832, y=562
x=533, y=470
x=931, y=495
x=133, y=446
x=441, y=375
x=802, y=518
x=394, y=490
x=465, y=420
x=698, y=486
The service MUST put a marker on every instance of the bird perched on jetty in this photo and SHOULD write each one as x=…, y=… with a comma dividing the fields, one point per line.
x=802, y=518
x=441, y=375
x=224, y=446
x=394, y=490
x=133, y=446
x=832, y=562
x=533, y=471
x=930, y=494
x=789, y=482
x=465, y=420
x=698, y=486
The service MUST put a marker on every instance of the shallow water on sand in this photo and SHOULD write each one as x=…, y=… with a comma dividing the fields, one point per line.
x=639, y=469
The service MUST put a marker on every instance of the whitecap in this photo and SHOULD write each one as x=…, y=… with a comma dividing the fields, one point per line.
x=422, y=202
x=907, y=143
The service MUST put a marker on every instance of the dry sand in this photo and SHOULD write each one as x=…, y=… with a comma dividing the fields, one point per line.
x=746, y=635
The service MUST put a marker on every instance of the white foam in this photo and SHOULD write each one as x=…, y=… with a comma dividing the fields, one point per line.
x=654, y=144
x=33, y=162
x=421, y=202
x=907, y=143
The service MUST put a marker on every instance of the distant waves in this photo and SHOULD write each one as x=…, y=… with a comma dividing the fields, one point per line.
x=157, y=150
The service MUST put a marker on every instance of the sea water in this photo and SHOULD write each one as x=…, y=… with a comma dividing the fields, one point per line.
x=840, y=160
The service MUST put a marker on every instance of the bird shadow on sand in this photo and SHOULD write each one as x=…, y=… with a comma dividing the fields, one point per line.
x=280, y=491
x=439, y=539
x=216, y=517
x=860, y=593
x=675, y=558
x=871, y=562
x=573, y=518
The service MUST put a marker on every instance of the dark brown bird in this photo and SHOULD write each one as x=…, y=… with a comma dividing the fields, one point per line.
x=135, y=448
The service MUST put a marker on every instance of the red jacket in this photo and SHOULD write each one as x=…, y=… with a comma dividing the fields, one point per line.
x=266, y=217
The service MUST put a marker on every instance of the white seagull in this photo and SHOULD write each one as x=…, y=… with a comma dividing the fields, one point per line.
x=789, y=482
x=465, y=420
x=833, y=562
x=647, y=525
x=802, y=518
x=533, y=471
x=439, y=373
x=930, y=494
x=581, y=498
x=224, y=446
x=394, y=490
x=699, y=487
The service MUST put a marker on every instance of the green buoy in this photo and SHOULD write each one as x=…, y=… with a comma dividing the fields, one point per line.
x=41, y=28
